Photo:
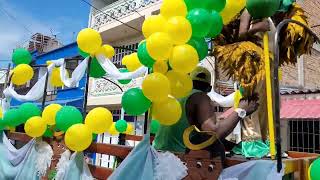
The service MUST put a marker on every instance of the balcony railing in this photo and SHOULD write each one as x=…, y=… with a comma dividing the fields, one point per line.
x=101, y=87
x=119, y=10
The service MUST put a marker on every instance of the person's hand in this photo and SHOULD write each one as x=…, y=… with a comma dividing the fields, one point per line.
x=259, y=26
x=248, y=106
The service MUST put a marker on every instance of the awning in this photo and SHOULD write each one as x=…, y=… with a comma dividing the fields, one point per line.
x=300, y=109
x=293, y=109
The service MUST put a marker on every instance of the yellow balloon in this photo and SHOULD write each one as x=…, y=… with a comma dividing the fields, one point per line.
x=179, y=29
x=1, y=113
x=160, y=67
x=309, y=169
x=152, y=24
x=159, y=46
x=49, y=113
x=184, y=59
x=35, y=127
x=156, y=87
x=167, y=112
x=89, y=40
x=55, y=78
x=107, y=50
x=180, y=84
x=22, y=74
x=131, y=62
x=112, y=130
x=130, y=129
x=170, y=8
x=232, y=8
x=99, y=120
x=78, y=137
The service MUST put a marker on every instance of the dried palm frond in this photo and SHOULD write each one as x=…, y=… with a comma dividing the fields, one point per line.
x=294, y=40
x=242, y=61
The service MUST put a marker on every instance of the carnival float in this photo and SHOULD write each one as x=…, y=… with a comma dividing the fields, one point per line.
x=176, y=41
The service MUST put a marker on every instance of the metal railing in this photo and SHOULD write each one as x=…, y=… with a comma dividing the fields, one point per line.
x=118, y=10
x=276, y=89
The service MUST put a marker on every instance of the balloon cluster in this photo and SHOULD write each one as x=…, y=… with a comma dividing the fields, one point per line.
x=23, y=72
x=21, y=115
x=174, y=45
x=90, y=44
x=67, y=119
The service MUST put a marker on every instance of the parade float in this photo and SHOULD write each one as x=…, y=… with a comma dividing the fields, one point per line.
x=176, y=41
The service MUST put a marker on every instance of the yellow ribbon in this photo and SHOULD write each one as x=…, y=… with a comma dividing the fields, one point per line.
x=188, y=144
x=237, y=97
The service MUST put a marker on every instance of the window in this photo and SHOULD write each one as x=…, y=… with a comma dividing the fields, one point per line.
x=304, y=135
x=120, y=53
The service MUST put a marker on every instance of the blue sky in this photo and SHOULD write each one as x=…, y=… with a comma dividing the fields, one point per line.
x=62, y=16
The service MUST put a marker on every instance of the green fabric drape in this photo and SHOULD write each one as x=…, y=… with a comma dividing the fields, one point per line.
x=252, y=149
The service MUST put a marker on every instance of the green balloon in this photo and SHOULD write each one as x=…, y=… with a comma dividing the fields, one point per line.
x=68, y=116
x=216, y=5
x=126, y=81
x=48, y=133
x=314, y=170
x=96, y=71
x=201, y=46
x=12, y=118
x=82, y=53
x=21, y=56
x=259, y=9
x=200, y=22
x=134, y=102
x=144, y=56
x=29, y=110
x=2, y=124
x=192, y=4
x=218, y=24
x=121, y=125
x=94, y=136
x=155, y=125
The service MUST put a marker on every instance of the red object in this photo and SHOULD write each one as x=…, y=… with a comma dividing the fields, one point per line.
x=293, y=109
x=300, y=109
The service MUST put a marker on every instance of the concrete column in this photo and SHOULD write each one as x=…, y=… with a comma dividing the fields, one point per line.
x=301, y=72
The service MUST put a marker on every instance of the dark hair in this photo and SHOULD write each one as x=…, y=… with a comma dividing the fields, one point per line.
x=202, y=86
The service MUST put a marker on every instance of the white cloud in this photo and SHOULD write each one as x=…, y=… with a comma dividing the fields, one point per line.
x=12, y=33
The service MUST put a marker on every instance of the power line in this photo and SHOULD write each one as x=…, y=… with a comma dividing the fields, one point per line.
x=110, y=16
x=15, y=19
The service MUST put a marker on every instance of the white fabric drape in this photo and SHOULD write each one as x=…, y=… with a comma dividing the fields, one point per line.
x=35, y=93
x=114, y=72
x=77, y=74
x=223, y=101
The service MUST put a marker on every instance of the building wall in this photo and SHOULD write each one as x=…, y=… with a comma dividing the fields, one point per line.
x=311, y=63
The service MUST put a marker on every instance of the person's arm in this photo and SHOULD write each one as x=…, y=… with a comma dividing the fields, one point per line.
x=250, y=27
x=200, y=112
x=225, y=127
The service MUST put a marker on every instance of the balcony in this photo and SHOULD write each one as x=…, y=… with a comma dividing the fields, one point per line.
x=104, y=93
x=109, y=19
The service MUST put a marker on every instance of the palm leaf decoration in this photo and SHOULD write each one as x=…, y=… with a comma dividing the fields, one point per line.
x=242, y=61
x=294, y=40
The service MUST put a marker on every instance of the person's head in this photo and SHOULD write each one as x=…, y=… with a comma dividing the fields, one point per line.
x=201, y=79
